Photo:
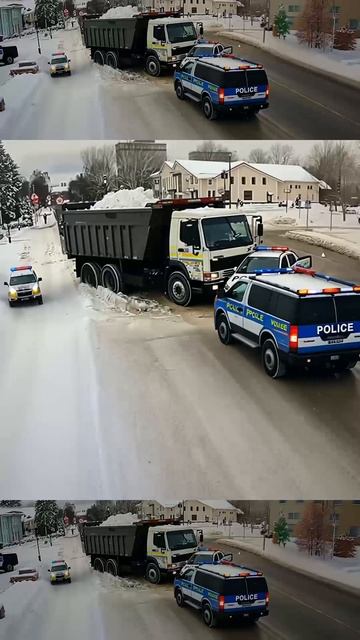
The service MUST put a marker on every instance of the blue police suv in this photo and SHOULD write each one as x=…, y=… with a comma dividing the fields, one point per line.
x=223, y=591
x=295, y=317
x=223, y=84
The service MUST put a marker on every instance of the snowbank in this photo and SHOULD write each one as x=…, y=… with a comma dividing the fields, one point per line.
x=120, y=12
x=119, y=519
x=340, y=571
x=342, y=245
x=126, y=198
x=104, y=299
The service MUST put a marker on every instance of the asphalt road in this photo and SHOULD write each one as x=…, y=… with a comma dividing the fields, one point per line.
x=98, y=103
x=99, y=607
x=106, y=404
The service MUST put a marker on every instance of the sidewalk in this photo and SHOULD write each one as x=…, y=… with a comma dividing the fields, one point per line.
x=343, y=66
x=343, y=573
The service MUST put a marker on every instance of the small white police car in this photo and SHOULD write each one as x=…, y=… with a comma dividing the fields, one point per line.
x=265, y=257
x=23, y=286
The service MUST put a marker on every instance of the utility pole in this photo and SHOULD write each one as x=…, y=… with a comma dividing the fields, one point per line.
x=230, y=155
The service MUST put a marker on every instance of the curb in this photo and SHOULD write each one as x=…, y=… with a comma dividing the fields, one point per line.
x=354, y=84
x=328, y=581
x=324, y=243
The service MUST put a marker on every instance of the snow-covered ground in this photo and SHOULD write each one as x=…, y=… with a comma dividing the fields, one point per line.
x=346, y=242
x=344, y=571
x=340, y=64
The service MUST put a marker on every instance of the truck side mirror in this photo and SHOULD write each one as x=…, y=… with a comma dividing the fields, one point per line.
x=6, y=284
x=39, y=279
x=260, y=229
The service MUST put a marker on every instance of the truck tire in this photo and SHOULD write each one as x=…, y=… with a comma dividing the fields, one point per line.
x=111, y=567
x=208, y=108
x=90, y=274
x=111, y=59
x=99, y=565
x=271, y=360
x=179, y=289
x=9, y=567
x=153, y=574
x=152, y=66
x=111, y=278
x=9, y=59
x=99, y=57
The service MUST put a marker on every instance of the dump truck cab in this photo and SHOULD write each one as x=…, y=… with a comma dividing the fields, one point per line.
x=169, y=40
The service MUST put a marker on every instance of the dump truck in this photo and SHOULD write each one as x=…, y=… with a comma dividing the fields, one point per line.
x=8, y=53
x=150, y=548
x=181, y=247
x=153, y=41
x=8, y=561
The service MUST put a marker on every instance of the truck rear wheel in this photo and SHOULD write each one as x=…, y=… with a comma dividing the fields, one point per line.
x=111, y=59
x=153, y=574
x=111, y=278
x=90, y=274
x=152, y=66
x=99, y=57
x=9, y=567
x=99, y=565
x=111, y=567
x=9, y=60
x=179, y=289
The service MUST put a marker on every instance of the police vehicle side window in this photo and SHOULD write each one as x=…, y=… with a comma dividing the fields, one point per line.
x=187, y=67
x=316, y=310
x=348, y=307
x=159, y=540
x=259, y=298
x=188, y=574
x=238, y=292
x=189, y=233
x=283, y=306
x=292, y=259
x=159, y=33
x=284, y=263
x=209, y=74
x=213, y=583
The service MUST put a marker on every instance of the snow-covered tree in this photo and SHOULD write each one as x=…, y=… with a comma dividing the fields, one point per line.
x=46, y=516
x=10, y=184
x=281, y=531
x=46, y=12
x=259, y=155
x=282, y=23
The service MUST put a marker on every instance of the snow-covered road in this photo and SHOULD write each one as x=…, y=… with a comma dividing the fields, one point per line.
x=95, y=402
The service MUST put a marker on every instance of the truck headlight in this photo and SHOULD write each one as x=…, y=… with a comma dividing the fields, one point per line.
x=211, y=276
x=66, y=67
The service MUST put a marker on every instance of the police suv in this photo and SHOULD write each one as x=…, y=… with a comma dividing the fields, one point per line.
x=208, y=556
x=207, y=49
x=295, y=317
x=264, y=257
x=23, y=285
x=223, y=84
x=223, y=591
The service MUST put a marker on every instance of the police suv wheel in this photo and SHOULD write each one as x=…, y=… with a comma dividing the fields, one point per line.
x=223, y=330
x=11, y=303
x=40, y=300
x=153, y=574
x=208, y=616
x=179, y=598
x=179, y=289
x=152, y=66
x=208, y=109
x=271, y=360
x=179, y=91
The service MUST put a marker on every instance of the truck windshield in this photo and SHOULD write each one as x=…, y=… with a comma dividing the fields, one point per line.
x=181, y=32
x=181, y=540
x=226, y=232
x=28, y=279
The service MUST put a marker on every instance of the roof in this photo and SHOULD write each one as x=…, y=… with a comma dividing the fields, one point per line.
x=26, y=512
x=229, y=64
x=228, y=570
x=295, y=281
x=170, y=19
x=285, y=172
x=205, y=169
x=214, y=504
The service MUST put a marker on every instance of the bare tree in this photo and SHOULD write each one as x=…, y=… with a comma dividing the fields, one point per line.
x=259, y=156
x=209, y=150
x=135, y=167
x=281, y=154
x=313, y=532
x=315, y=25
x=100, y=163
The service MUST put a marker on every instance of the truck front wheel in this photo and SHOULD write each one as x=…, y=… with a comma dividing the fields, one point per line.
x=9, y=60
x=9, y=568
x=90, y=274
x=179, y=289
x=152, y=66
x=153, y=574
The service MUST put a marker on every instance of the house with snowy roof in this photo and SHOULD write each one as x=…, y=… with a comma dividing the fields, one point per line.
x=189, y=510
x=15, y=523
x=15, y=15
x=250, y=182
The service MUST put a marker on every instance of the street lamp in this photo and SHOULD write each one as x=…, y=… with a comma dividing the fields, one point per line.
x=230, y=180
x=287, y=191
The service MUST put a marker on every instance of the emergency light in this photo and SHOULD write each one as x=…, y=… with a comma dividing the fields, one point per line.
x=22, y=268
x=264, y=247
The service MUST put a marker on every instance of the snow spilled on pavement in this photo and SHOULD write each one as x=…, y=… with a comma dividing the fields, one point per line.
x=102, y=299
x=126, y=198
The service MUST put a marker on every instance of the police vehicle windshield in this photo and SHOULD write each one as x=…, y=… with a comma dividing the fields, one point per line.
x=59, y=60
x=181, y=540
x=181, y=32
x=24, y=279
x=251, y=264
x=226, y=232
x=59, y=567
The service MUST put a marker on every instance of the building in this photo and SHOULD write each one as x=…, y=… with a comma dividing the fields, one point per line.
x=11, y=18
x=146, y=147
x=11, y=528
x=218, y=156
x=162, y=5
x=345, y=12
x=189, y=510
x=250, y=182
x=345, y=513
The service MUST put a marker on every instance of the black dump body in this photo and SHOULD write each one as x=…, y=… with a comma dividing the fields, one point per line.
x=8, y=559
x=9, y=50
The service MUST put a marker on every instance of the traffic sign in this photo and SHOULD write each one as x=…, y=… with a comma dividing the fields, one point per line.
x=66, y=12
x=59, y=200
x=34, y=198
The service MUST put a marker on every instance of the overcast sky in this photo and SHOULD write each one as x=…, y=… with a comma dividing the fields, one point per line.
x=62, y=158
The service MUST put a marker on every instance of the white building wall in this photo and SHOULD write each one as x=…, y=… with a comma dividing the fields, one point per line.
x=198, y=7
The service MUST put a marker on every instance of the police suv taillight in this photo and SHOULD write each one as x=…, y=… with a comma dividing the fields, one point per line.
x=221, y=602
x=221, y=95
x=267, y=599
x=294, y=337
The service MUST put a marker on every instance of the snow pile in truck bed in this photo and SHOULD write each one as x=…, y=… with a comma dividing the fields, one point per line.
x=120, y=12
x=119, y=519
x=126, y=198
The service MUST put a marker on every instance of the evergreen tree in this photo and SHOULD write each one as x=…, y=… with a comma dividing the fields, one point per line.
x=25, y=207
x=46, y=12
x=46, y=517
x=281, y=531
x=10, y=503
x=281, y=22
x=10, y=184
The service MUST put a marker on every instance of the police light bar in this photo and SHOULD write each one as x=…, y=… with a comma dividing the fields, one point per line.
x=258, y=272
x=22, y=268
x=264, y=247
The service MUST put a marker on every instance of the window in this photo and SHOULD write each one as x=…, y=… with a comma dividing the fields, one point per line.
x=239, y=291
x=338, y=503
x=248, y=195
x=209, y=194
x=294, y=8
x=293, y=515
x=253, y=180
x=210, y=181
x=354, y=24
x=243, y=180
x=259, y=297
x=188, y=67
x=189, y=233
x=159, y=540
x=356, y=501
x=232, y=180
x=188, y=574
x=347, y=307
x=214, y=583
x=159, y=33
x=264, y=181
x=282, y=501
x=316, y=311
x=283, y=306
x=292, y=258
x=203, y=508
x=197, y=508
x=193, y=517
x=284, y=264
x=191, y=508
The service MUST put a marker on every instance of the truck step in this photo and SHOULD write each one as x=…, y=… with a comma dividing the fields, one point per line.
x=247, y=341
